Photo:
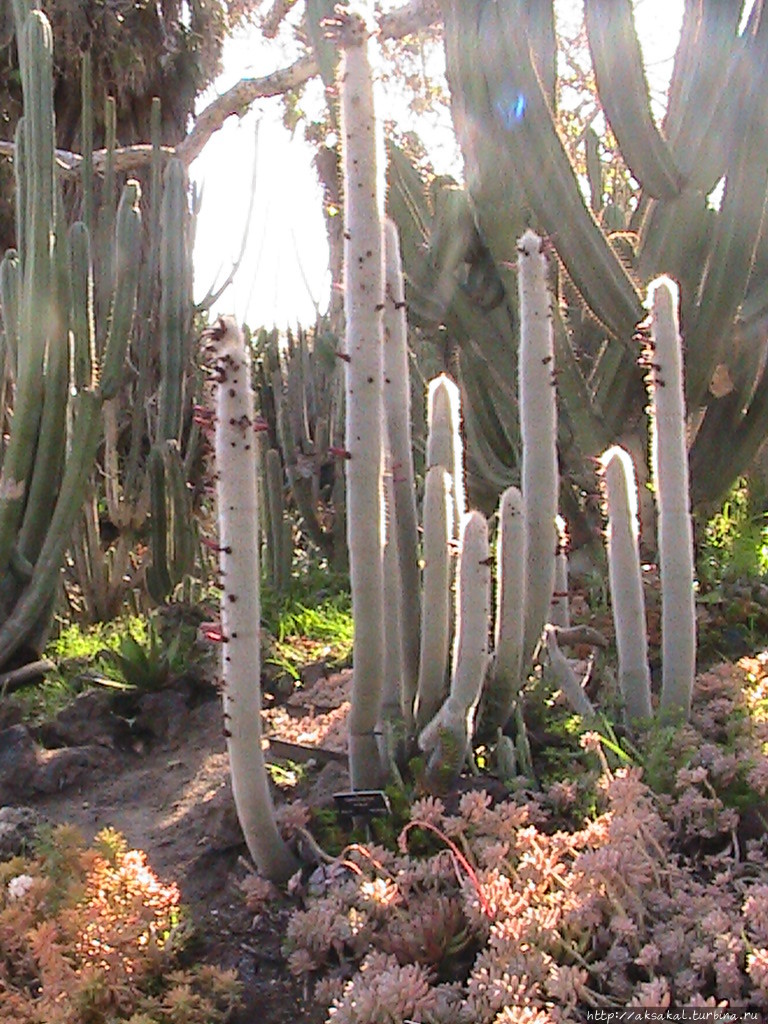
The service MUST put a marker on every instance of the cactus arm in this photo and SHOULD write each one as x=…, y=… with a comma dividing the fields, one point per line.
x=127, y=266
x=538, y=427
x=26, y=611
x=624, y=96
x=436, y=595
x=363, y=306
x=279, y=545
x=566, y=678
x=737, y=234
x=10, y=284
x=627, y=601
x=86, y=131
x=173, y=295
x=237, y=503
x=513, y=110
x=35, y=309
x=671, y=487
x=397, y=405
x=394, y=706
x=81, y=307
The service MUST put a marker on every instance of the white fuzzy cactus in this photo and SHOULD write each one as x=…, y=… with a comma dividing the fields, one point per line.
x=669, y=461
x=447, y=736
x=363, y=308
x=444, y=444
x=627, y=601
x=436, y=595
x=538, y=429
x=237, y=502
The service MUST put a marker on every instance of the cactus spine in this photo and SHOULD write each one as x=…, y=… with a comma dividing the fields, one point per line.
x=363, y=306
x=538, y=427
x=237, y=500
x=626, y=583
x=670, y=480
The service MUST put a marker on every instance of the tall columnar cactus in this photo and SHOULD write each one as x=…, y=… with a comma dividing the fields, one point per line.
x=363, y=307
x=538, y=427
x=446, y=738
x=397, y=405
x=671, y=488
x=628, y=603
x=50, y=453
x=560, y=609
x=237, y=502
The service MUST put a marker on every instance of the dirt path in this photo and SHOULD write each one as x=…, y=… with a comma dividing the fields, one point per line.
x=173, y=800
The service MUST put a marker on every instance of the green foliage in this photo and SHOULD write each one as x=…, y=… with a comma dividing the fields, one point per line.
x=735, y=540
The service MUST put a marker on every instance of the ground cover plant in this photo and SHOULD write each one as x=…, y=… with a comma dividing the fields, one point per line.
x=90, y=933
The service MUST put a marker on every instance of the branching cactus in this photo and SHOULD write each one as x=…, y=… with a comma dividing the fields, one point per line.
x=538, y=427
x=446, y=738
x=671, y=487
x=50, y=452
x=237, y=500
x=626, y=583
x=363, y=307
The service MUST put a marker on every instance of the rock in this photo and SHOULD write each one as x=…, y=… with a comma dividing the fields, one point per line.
x=332, y=778
x=18, y=826
x=163, y=714
x=59, y=769
x=87, y=720
x=221, y=827
x=17, y=762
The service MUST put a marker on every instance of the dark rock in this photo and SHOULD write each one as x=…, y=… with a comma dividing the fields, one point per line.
x=87, y=720
x=164, y=714
x=18, y=826
x=59, y=769
x=17, y=762
x=332, y=778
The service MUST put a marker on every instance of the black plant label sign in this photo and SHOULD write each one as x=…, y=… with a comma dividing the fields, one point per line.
x=372, y=803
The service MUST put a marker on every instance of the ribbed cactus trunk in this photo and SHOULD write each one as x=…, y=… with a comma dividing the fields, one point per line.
x=363, y=307
x=627, y=601
x=237, y=501
x=538, y=428
x=444, y=444
x=671, y=488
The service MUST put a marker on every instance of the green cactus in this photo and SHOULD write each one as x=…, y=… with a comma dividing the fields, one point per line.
x=518, y=169
x=46, y=288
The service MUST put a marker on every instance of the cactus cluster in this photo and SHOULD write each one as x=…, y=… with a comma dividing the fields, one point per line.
x=62, y=374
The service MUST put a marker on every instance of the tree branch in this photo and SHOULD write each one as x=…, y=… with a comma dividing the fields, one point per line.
x=412, y=17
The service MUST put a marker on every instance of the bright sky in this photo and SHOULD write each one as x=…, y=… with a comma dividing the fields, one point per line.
x=283, y=275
